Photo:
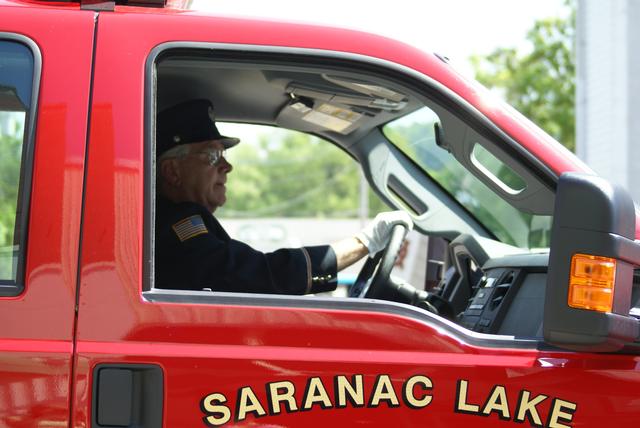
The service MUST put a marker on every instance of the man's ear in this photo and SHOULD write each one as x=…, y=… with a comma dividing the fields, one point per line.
x=170, y=172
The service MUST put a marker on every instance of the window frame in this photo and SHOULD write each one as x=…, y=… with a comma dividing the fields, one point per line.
x=8, y=287
x=419, y=82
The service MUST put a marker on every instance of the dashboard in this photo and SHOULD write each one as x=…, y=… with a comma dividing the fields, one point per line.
x=494, y=288
x=509, y=299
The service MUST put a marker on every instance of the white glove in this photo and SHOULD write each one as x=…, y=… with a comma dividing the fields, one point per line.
x=376, y=234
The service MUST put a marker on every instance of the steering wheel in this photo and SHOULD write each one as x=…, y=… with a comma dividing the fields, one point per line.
x=374, y=275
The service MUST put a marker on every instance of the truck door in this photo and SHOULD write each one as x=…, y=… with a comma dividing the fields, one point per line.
x=45, y=70
x=147, y=357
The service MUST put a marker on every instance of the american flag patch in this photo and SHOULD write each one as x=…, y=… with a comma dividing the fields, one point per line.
x=190, y=227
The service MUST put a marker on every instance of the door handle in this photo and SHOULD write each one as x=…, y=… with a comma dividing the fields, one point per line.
x=127, y=395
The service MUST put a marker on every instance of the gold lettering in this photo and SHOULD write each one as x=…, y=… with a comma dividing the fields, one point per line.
x=411, y=399
x=497, y=402
x=525, y=405
x=276, y=397
x=248, y=403
x=383, y=390
x=216, y=413
x=461, y=402
x=344, y=387
x=316, y=393
x=558, y=413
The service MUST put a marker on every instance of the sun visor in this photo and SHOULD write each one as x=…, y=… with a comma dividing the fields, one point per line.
x=325, y=115
x=333, y=117
x=367, y=88
x=362, y=99
x=333, y=110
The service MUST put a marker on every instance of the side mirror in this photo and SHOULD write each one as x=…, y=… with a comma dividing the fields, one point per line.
x=591, y=263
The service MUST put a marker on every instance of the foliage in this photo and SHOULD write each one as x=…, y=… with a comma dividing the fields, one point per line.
x=10, y=154
x=291, y=174
x=541, y=82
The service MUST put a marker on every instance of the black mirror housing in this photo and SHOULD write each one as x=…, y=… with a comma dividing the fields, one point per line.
x=595, y=217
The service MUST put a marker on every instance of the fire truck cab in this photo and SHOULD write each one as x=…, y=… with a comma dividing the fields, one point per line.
x=533, y=320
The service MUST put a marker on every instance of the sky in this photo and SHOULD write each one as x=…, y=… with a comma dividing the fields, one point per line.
x=457, y=29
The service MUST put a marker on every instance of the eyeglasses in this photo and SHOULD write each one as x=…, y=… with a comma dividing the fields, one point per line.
x=213, y=155
x=181, y=152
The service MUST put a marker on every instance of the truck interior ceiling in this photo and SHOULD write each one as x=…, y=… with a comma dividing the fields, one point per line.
x=459, y=177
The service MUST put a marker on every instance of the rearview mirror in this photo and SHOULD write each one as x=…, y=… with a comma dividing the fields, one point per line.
x=591, y=262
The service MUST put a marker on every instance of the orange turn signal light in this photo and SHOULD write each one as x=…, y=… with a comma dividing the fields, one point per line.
x=591, y=282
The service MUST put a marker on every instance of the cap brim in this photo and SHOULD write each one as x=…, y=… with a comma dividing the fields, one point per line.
x=228, y=142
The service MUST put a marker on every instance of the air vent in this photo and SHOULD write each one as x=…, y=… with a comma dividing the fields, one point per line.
x=502, y=287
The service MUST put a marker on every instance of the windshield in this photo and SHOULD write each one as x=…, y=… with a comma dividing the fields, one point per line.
x=415, y=135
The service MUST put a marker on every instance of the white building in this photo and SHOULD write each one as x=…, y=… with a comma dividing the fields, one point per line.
x=608, y=89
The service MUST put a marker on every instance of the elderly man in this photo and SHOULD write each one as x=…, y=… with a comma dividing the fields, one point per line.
x=193, y=251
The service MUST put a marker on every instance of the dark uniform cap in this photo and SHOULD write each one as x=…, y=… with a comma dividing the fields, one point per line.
x=188, y=122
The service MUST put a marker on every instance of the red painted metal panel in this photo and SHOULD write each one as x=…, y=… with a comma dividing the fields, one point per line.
x=214, y=349
x=200, y=26
x=37, y=327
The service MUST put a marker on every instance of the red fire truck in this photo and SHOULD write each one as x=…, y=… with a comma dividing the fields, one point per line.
x=534, y=319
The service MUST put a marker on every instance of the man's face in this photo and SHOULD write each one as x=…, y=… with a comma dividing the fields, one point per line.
x=201, y=182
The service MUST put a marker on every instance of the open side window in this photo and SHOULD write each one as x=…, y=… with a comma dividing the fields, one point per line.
x=457, y=175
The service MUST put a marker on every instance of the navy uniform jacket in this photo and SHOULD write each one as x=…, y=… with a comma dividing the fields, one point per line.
x=193, y=252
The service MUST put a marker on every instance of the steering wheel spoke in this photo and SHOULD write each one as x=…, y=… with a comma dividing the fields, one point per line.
x=374, y=275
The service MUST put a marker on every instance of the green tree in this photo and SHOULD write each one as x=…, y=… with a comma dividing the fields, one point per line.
x=541, y=82
x=10, y=149
x=292, y=174
x=10, y=154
